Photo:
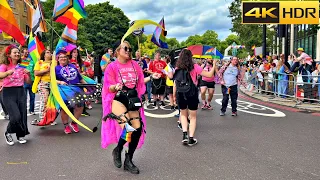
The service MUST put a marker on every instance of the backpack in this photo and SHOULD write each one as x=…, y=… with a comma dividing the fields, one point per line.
x=184, y=83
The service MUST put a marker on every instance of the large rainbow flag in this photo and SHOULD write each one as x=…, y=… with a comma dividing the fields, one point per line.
x=8, y=23
x=159, y=34
x=69, y=12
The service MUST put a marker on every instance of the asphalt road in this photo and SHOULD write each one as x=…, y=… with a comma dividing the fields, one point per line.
x=263, y=142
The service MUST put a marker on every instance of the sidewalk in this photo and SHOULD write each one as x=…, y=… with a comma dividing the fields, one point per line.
x=289, y=102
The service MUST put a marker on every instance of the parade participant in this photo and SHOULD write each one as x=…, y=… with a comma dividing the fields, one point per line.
x=229, y=75
x=76, y=60
x=124, y=85
x=29, y=64
x=169, y=71
x=185, y=92
x=13, y=94
x=207, y=84
x=5, y=112
x=68, y=74
x=158, y=86
x=42, y=72
x=106, y=59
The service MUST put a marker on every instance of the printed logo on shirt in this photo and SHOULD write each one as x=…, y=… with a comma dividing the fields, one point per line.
x=128, y=76
x=69, y=74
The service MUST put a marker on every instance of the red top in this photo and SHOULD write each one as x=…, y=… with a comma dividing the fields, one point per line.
x=157, y=66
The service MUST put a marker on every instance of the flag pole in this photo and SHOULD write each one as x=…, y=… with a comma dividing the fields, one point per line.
x=51, y=44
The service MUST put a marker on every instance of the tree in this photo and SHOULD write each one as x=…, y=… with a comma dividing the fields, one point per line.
x=148, y=47
x=173, y=43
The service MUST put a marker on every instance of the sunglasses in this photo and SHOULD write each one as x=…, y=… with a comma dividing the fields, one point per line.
x=127, y=48
x=62, y=57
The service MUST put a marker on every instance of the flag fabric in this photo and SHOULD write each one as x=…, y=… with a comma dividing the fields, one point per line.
x=40, y=46
x=69, y=12
x=8, y=23
x=68, y=39
x=33, y=49
x=158, y=37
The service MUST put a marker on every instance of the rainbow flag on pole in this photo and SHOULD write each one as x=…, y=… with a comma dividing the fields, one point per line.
x=8, y=23
x=35, y=47
x=69, y=12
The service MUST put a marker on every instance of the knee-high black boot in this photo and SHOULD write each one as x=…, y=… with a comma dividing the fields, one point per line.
x=116, y=153
x=128, y=164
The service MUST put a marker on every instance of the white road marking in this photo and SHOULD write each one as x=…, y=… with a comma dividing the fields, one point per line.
x=252, y=108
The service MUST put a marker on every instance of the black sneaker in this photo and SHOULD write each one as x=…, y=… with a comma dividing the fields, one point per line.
x=179, y=125
x=155, y=103
x=162, y=104
x=185, y=139
x=85, y=113
x=192, y=142
x=9, y=139
x=172, y=108
x=234, y=114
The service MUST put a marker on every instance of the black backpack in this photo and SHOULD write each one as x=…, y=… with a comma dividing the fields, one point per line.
x=184, y=83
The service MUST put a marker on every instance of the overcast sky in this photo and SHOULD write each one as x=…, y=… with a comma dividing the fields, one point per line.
x=181, y=20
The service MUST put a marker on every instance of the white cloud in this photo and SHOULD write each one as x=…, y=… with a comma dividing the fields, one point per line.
x=183, y=18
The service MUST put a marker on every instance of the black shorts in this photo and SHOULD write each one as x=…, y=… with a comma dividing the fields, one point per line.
x=190, y=103
x=158, y=86
x=210, y=85
x=123, y=99
x=169, y=89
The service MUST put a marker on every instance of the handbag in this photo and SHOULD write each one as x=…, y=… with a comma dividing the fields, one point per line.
x=299, y=80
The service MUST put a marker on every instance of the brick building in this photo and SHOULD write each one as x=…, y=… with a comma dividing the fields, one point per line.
x=23, y=18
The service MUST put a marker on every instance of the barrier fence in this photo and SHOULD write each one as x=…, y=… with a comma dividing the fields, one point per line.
x=300, y=88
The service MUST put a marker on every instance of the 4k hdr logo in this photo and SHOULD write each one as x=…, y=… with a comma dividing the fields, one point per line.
x=282, y=12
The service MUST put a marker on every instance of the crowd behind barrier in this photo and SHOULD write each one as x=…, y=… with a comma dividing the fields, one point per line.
x=300, y=88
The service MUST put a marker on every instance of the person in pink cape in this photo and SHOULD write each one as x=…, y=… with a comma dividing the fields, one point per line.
x=124, y=120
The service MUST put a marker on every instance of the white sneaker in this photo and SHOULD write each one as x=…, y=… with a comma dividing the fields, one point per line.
x=54, y=123
x=22, y=140
x=9, y=139
x=89, y=107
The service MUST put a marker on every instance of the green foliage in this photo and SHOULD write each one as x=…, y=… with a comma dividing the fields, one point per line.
x=148, y=47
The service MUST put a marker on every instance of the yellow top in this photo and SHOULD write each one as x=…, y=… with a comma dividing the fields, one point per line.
x=40, y=66
x=168, y=81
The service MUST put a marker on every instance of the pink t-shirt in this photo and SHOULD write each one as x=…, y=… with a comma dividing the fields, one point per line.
x=14, y=80
x=208, y=68
x=197, y=70
x=128, y=74
x=306, y=57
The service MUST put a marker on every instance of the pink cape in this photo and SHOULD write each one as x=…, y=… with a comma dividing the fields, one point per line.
x=111, y=130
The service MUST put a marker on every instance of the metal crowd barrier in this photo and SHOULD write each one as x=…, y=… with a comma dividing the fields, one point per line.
x=286, y=86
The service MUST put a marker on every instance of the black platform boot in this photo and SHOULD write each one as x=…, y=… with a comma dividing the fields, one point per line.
x=116, y=153
x=129, y=166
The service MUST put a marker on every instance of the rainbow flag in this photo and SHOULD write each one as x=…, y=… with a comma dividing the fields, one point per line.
x=24, y=64
x=158, y=37
x=8, y=23
x=33, y=49
x=127, y=132
x=106, y=57
x=69, y=12
x=68, y=39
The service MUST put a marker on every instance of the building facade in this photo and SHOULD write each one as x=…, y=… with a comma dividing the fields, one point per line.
x=22, y=15
x=306, y=38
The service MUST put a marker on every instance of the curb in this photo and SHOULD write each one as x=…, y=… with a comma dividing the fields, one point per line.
x=314, y=109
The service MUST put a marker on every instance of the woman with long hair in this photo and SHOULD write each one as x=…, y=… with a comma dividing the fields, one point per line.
x=281, y=70
x=68, y=74
x=186, y=75
x=42, y=72
x=124, y=84
x=14, y=95
x=76, y=60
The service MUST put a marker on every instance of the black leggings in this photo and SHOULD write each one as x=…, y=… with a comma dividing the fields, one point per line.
x=16, y=105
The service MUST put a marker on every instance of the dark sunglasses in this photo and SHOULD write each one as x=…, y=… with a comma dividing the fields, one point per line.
x=127, y=48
